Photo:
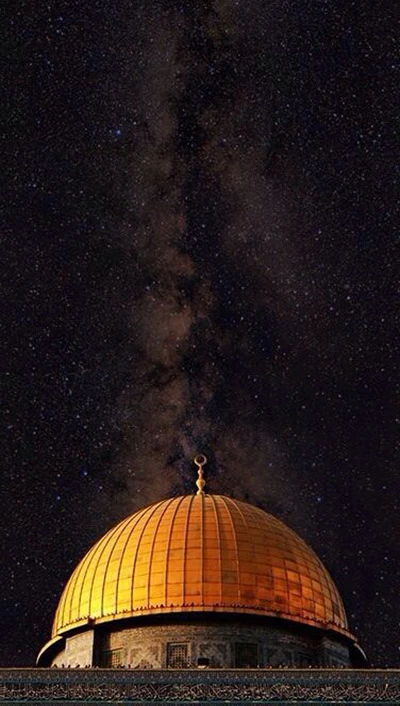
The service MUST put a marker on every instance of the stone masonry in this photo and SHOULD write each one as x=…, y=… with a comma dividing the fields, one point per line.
x=210, y=643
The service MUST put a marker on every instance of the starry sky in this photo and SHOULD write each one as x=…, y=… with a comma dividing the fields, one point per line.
x=198, y=255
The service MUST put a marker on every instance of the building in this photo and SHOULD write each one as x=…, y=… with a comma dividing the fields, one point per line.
x=201, y=581
x=200, y=599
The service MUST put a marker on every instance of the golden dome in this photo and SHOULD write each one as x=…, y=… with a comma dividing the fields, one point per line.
x=199, y=553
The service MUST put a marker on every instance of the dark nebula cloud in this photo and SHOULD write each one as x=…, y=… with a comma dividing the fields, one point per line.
x=198, y=256
x=210, y=244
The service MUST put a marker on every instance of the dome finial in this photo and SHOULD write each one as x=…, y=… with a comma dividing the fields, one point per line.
x=200, y=461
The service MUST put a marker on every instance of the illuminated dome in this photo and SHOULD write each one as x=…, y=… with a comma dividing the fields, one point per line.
x=197, y=554
x=200, y=580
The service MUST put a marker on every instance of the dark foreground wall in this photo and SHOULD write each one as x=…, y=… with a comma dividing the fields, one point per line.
x=211, y=686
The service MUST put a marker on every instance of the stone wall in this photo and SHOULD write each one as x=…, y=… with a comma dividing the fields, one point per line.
x=333, y=654
x=219, y=645
x=78, y=651
x=216, y=644
x=79, y=648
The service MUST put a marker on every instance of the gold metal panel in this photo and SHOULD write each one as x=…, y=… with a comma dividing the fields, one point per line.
x=201, y=552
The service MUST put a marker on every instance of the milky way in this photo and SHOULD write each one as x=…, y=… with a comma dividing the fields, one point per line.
x=199, y=257
x=214, y=235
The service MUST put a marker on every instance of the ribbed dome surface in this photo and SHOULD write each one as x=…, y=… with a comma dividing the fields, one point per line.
x=200, y=553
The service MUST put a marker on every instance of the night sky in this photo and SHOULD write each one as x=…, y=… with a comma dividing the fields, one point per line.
x=198, y=255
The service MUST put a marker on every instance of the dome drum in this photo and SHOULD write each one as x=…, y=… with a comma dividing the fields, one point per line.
x=201, y=641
